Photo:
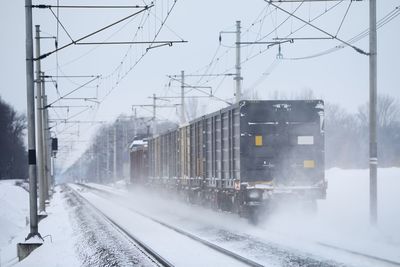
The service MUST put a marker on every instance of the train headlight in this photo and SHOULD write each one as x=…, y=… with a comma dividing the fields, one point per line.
x=254, y=194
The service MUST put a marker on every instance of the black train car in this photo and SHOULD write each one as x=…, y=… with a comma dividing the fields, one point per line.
x=245, y=155
x=139, y=163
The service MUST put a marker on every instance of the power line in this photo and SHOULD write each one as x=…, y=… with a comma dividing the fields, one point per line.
x=132, y=42
x=319, y=29
x=84, y=6
x=76, y=89
x=93, y=33
x=142, y=56
x=382, y=22
x=249, y=58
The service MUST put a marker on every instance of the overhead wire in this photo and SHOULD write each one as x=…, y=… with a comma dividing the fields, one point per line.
x=267, y=48
x=382, y=22
x=130, y=68
x=118, y=68
x=261, y=51
x=357, y=49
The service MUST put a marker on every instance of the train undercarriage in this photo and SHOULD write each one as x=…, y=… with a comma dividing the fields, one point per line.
x=248, y=202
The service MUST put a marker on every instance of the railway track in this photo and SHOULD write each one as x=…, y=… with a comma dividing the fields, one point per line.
x=385, y=262
x=152, y=252
x=152, y=255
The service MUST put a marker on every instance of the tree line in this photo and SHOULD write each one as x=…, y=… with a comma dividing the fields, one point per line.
x=13, y=154
x=347, y=135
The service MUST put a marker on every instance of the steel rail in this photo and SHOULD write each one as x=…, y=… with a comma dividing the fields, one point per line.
x=187, y=234
x=222, y=250
x=155, y=257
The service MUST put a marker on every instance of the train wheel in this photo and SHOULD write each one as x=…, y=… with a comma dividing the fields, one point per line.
x=254, y=215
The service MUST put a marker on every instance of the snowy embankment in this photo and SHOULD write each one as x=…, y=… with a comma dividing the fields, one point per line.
x=58, y=248
x=13, y=211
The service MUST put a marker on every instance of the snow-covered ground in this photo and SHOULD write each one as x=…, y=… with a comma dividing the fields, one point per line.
x=342, y=220
x=13, y=212
x=58, y=248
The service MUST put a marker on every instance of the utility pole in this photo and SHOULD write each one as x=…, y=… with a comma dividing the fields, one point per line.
x=115, y=151
x=238, y=78
x=183, y=97
x=30, y=89
x=46, y=142
x=373, y=146
x=48, y=152
x=154, y=106
x=154, y=114
x=45, y=138
x=108, y=154
x=39, y=117
x=238, y=75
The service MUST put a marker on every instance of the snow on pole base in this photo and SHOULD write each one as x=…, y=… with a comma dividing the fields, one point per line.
x=26, y=248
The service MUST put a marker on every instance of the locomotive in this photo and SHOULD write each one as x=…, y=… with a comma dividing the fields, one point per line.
x=241, y=158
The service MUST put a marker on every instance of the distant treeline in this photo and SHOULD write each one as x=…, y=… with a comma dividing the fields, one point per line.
x=347, y=135
x=107, y=157
x=13, y=155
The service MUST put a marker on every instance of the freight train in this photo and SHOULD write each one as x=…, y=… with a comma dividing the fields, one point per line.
x=241, y=158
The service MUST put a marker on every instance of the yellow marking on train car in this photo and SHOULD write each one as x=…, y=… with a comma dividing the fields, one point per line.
x=259, y=140
x=309, y=164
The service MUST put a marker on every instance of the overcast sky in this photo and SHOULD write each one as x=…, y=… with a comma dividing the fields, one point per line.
x=340, y=77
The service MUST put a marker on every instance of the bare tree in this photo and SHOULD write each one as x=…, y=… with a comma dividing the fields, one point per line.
x=344, y=146
x=303, y=94
x=388, y=112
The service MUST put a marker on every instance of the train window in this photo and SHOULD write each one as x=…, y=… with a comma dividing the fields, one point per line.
x=258, y=140
x=305, y=140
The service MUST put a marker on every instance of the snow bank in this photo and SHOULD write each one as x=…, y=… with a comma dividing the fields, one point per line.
x=14, y=209
x=59, y=246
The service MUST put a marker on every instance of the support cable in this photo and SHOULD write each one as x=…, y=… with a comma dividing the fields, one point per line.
x=76, y=89
x=93, y=33
x=62, y=26
x=382, y=22
x=85, y=6
x=319, y=29
x=344, y=17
